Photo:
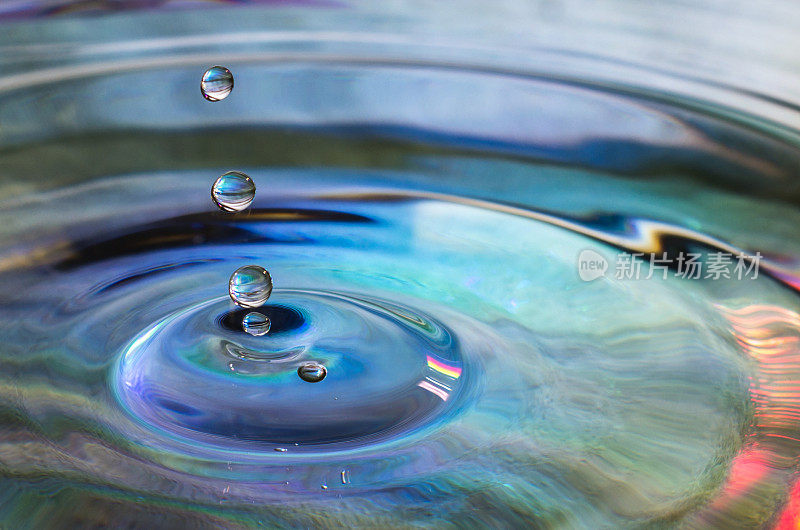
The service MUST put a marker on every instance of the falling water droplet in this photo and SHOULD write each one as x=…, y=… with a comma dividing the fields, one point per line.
x=217, y=83
x=312, y=372
x=250, y=286
x=256, y=324
x=233, y=191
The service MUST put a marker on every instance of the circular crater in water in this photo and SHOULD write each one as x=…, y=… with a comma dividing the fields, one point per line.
x=390, y=370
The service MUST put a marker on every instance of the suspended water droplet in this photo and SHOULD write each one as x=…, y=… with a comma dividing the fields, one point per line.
x=312, y=372
x=217, y=83
x=323, y=486
x=250, y=286
x=233, y=191
x=280, y=449
x=256, y=324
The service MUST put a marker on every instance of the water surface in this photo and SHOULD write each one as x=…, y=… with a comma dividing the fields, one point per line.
x=422, y=222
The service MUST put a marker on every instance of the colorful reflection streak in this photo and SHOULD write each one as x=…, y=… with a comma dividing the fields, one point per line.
x=766, y=465
x=441, y=372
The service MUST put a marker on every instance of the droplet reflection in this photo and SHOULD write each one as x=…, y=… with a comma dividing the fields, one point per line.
x=217, y=83
x=256, y=324
x=233, y=192
x=250, y=286
x=312, y=372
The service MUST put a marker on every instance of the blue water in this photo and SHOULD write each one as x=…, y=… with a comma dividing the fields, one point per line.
x=422, y=222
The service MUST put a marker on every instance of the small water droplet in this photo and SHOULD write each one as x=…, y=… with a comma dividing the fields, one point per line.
x=233, y=192
x=250, y=286
x=324, y=487
x=312, y=372
x=345, y=476
x=256, y=324
x=217, y=83
x=280, y=449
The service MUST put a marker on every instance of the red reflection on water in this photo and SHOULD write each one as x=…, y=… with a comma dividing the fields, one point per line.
x=790, y=517
x=770, y=335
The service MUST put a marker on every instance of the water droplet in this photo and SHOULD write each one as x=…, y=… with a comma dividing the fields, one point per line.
x=280, y=449
x=256, y=324
x=250, y=286
x=217, y=83
x=324, y=487
x=312, y=372
x=233, y=191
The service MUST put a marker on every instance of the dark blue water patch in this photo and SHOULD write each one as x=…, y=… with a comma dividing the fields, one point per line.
x=195, y=230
